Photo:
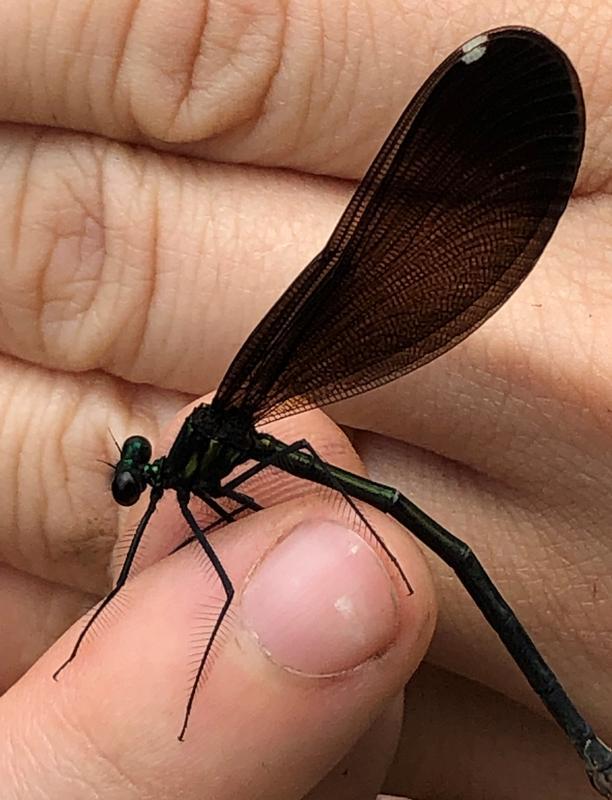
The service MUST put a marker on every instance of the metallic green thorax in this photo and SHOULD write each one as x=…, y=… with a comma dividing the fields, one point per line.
x=208, y=447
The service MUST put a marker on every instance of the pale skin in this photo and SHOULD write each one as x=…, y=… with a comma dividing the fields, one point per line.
x=131, y=275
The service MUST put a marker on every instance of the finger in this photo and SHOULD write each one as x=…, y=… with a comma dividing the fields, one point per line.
x=551, y=569
x=34, y=613
x=119, y=261
x=491, y=747
x=259, y=82
x=361, y=773
x=508, y=447
x=534, y=376
x=59, y=521
x=124, y=697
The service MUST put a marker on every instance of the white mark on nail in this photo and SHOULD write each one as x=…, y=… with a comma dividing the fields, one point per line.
x=344, y=605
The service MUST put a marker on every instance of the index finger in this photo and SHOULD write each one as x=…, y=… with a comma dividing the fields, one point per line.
x=312, y=86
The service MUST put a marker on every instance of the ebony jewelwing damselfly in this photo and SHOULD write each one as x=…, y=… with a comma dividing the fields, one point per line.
x=450, y=218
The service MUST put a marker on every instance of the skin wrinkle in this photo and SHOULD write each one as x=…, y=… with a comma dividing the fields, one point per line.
x=77, y=68
x=50, y=611
x=29, y=28
x=505, y=398
x=37, y=141
x=194, y=58
x=65, y=461
x=80, y=47
x=502, y=403
x=596, y=43
x=21, y=199
x=563, y=589
x=82, y=62
x=304, y=112
x=371, y=34
x=36, y=63
x=55, y=442
x=160, y=257
x=566, y=592
x=153, y=269
x=48, y=52
x=138, y=170
x=83, y=234
x=346, y=84
x=86, y=211
x=548, y=534
x=12, y=489
x=88, y=236
x=351, y=95
x=45, y=496
x=120, y=66
x=14, y=237
x=110, y=767
x=507, y=393
x=572, y=452
x=22, y=510
x=275, y=70
x=244, y=114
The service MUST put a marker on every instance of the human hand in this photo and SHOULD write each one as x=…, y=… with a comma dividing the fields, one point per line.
x=129, y=267
x=258, y=728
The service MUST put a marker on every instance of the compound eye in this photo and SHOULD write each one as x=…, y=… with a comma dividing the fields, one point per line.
x=125, y=488
x=136, y=449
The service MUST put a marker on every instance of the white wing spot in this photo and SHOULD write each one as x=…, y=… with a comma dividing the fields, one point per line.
x=474, y=49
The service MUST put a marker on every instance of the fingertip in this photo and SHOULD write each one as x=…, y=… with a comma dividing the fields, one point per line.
x=321, y=602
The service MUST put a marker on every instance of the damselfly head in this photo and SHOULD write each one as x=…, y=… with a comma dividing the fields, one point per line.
x=129, y=480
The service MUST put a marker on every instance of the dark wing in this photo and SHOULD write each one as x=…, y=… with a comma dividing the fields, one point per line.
x=448, y=221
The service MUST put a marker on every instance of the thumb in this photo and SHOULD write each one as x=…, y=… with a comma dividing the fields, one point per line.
x=322, y=636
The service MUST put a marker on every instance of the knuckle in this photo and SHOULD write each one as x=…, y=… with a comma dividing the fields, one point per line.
x=82, y=249
x=45, y=532
x=58, y=244
x=206, y=71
